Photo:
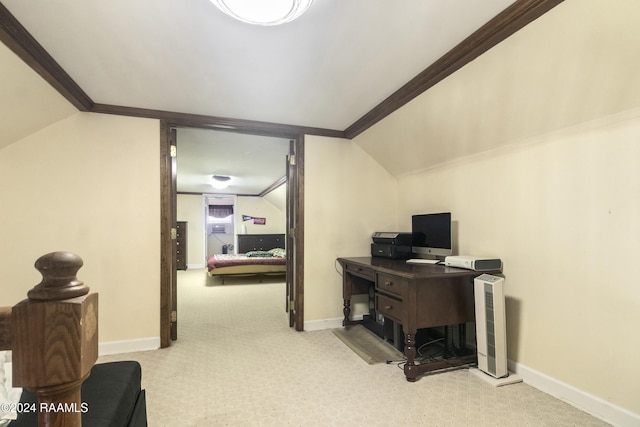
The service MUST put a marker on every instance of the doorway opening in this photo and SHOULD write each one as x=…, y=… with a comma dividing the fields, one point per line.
x=292, y=226
x=220, y=225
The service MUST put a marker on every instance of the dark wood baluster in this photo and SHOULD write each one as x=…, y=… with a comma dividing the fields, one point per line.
x=5, y=328
x=55, y=339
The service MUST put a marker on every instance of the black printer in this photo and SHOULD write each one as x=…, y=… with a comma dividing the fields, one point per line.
x=391, y=244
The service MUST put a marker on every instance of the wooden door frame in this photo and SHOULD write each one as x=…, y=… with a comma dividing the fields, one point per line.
x=166, y=243
x=299, y=236
x=166, y=224
x=295, y=236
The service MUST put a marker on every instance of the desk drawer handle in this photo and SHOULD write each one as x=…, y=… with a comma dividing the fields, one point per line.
x=388, y=307
x=388, y=283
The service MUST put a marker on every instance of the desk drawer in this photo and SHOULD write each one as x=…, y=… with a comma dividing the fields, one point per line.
x=389, y=307
x=389, y=284
x=356, y=270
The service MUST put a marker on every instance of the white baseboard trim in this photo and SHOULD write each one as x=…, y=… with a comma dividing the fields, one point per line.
x=128, y=346
x=319, y=325
x=582, y=400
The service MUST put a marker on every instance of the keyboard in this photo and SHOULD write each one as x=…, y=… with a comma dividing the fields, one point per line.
x=422, y=261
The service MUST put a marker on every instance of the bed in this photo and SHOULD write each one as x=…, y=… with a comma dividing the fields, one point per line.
x=255, y=263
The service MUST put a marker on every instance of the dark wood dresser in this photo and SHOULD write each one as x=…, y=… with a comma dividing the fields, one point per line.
x=181, y=245
x=259, y=242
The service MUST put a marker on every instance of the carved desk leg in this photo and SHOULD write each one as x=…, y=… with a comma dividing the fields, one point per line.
x=346, y=295
x=347, y=312
x=410, y=368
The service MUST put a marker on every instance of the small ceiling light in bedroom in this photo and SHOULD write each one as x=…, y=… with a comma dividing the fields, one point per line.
x=263, y=12
x=220, y=182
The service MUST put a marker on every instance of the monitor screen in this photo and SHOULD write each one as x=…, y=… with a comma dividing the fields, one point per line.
x=431, y=234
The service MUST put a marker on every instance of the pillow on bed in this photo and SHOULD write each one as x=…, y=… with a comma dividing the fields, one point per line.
x=278, y=252
x=259, y=254
x=9, y=396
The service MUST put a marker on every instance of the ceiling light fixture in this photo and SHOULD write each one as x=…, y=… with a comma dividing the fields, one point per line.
x=263, y=12
x=220, y=182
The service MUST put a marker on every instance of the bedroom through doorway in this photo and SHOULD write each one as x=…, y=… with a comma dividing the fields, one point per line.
x=175, y=200
x=231, y=192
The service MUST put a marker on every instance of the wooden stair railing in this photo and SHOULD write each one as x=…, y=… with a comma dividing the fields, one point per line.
x=53, y=335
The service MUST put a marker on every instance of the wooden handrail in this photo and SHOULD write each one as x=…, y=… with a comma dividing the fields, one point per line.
x=53, y=335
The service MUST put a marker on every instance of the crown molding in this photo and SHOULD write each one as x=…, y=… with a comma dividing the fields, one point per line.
x=175, y=119
x=508, y=22
x=22, y=43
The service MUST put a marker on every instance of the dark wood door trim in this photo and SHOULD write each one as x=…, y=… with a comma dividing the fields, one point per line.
x=173, y=203
x=295, y=233
x=225, y=124
x=290, y=241
x=299, y=235
x=166, y=245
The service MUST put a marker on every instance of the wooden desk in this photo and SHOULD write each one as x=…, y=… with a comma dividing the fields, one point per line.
x=416, y=296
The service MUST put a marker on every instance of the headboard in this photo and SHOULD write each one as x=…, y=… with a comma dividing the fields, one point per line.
x=259, y=242
x=53, y=336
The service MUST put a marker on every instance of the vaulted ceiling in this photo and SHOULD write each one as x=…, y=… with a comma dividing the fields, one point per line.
x=335, y=71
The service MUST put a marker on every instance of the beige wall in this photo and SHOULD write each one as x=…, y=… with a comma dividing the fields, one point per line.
x=348, y=196
x=562, y=212
x=262, y=208
x=29, y=102
x=576, y=63
x=278, y=198
x=88, y=184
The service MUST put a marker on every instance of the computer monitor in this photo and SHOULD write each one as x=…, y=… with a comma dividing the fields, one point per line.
x=431, y=235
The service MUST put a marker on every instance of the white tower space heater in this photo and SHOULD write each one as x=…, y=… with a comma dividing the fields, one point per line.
x=491, y=332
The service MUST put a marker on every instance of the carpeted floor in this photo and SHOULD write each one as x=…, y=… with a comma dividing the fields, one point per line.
x=237, y=363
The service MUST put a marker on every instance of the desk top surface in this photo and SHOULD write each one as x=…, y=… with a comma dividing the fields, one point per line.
x=412, y=271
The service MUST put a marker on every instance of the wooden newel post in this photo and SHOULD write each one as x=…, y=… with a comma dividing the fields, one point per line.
x=55, y=340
